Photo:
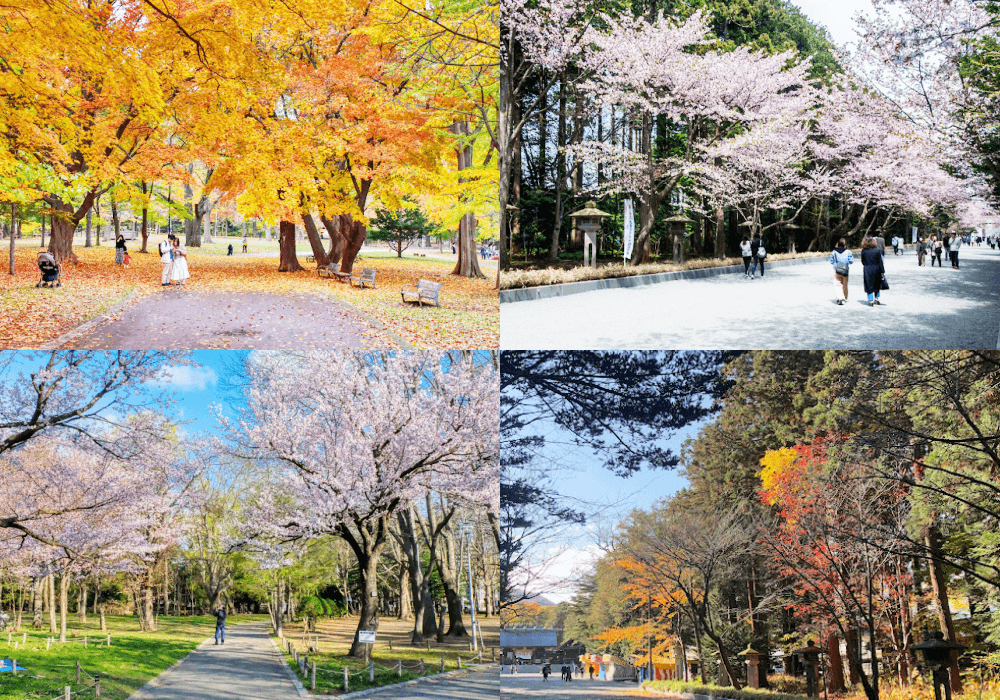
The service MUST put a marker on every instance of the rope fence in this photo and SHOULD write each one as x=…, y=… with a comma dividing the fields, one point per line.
x=95, y=679
x=49, y=641
x=309, y=670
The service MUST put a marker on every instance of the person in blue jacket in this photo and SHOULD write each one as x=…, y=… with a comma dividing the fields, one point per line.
x=220, y=624
x=841, y=259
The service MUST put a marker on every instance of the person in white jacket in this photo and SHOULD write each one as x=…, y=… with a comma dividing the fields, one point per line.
x=747, y=254
x=167, y=260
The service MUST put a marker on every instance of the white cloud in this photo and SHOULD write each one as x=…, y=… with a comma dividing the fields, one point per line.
x=186, y=378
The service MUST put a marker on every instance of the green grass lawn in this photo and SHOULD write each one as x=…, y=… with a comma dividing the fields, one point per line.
x=132, y=659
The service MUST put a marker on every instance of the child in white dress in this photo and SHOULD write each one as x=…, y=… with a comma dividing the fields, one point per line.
x=179, y=272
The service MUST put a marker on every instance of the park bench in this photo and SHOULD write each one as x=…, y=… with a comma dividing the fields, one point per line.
x=332, y=270
x=367, y=276
x=423, y=290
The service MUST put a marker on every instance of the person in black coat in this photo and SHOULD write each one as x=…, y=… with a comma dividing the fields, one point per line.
x=871, y=260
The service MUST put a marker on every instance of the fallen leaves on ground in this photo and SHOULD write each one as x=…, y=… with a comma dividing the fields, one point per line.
x=30, y=317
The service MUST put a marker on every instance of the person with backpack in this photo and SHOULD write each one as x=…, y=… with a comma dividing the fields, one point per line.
x=759, y=253
x=874, y=269
x=167, y=260
x=220, y=624
x=841, y=259
x=936, y=247
x=747, y=254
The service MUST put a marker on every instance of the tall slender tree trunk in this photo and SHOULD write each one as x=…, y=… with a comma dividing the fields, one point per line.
x=939, y=584
x=560, y=170
x=836, y=682
x=468, y=259
x=147, y=192
x=63, y=604
x=51, y=603
x=13, y=220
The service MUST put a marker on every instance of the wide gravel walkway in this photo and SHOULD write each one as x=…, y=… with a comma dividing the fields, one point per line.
x=529, y=686
x=790, y=308
x=179, y=319
x=246, y=667
x=478, y=685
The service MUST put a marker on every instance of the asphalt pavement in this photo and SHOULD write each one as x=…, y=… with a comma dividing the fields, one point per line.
x=791, y=307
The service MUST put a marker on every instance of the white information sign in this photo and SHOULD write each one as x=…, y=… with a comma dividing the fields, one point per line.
x=366, y=637
x=914, y=235
x=629, y=228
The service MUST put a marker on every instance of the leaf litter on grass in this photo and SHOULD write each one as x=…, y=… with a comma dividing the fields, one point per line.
x=30, y=317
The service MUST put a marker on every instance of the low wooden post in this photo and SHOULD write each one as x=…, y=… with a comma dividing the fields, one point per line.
x=459, y=663
x=442, y=662
x=13, y=666
x=421, y=665
x=66, y=693
x=399, y=668
x=109, y=640
x=78, y=673
x=24, y=638
x=312, y=679
x=47, y=643
x=84, y=641
x=346, y=688
x=371, y=671
x=97, y=685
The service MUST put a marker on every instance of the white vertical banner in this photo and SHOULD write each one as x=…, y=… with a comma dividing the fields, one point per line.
x=914, y=235
x=629, y=240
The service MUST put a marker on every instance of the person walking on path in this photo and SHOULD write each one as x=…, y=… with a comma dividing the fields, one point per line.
x=120, y=250
x=591, y=667
x=546, y=670
x=956, y=245
x=167, y=260
x=936, y=247
x=946, y=244
x=220, y=624
x=841, y=259
x=874, y=268
x=244, y=244
x=747, y=254
x=179, y=271
x=759, y=252
x=921, y=252
x=880, y=244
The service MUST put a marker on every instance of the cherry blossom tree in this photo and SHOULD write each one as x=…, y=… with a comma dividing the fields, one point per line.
x=354, y=438
x=83, y=393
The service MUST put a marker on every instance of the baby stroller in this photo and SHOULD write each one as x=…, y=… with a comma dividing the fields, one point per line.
x=50, y=269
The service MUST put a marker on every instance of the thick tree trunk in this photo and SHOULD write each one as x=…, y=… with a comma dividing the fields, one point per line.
x=36, y=603
x=720, y=232
x=836, y=682
x=61, y=237
x=286, y=242
x=368, y=584
x=468, y=259
x=852, y=651
x=87, y=243
x=354, y=234
x=13, y=219
x=337, y=242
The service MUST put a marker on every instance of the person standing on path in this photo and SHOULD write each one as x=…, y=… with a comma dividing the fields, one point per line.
x=956, y=245
x=179, y=270
x=120, y=250
x=167, y=260
x=936, y=247
x=220, y=624
x=546, y=670
x=946, y=244
x=759, y=252
x=747, y=254
x=874, y=268
x=244, y=244
x=841, y=259
x=921, y=252
x=880, y=244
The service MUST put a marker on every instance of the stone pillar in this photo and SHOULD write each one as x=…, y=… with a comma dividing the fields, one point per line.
x=589, y=244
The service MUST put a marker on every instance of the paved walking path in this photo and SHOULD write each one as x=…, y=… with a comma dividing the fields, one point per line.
x=478, y=685
x=246, y=667
x=194, y=320
x=529, y=686
x=790, y=308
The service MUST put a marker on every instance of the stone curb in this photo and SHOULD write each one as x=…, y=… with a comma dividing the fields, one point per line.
x=508, y=296
x=87, y=326
x=300, y=689
x=155, y=682
x=415, y=681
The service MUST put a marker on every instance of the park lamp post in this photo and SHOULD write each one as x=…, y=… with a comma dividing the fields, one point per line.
x=467, y=530
x=678, y=227
x=791, y=230
x=937, y=653
x=810, y=654
x=588, y=221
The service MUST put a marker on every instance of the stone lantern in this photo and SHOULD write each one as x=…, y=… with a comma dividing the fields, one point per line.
x=790, y=233
x=810, y=654
x=937, y=656
x=678, y=226
x=753, y=666
x=588, y=221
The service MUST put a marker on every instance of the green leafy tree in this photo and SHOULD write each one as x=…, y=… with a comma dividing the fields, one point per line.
x=401, y=227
